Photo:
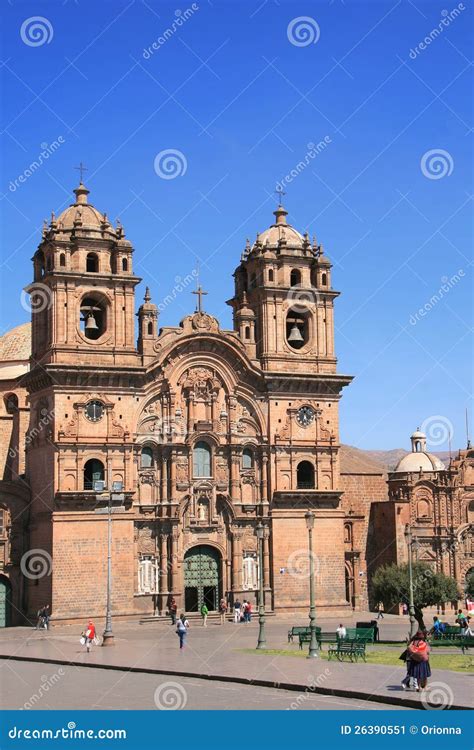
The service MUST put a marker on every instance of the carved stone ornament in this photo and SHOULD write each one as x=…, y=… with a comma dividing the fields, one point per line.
x=147, y=477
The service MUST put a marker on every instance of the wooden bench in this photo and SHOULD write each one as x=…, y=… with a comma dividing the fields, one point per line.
x=297, y=630
x=352, y=649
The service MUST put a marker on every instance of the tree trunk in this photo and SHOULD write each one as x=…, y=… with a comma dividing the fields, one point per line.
x=419, y=618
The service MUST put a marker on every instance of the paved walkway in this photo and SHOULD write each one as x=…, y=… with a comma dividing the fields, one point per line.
x=218, y=652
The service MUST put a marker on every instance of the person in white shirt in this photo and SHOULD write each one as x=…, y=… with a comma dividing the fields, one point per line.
x=341, y=632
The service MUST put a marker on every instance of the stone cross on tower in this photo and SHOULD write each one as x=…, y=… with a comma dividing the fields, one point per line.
x=81, y=169
x=280, y=192
x=200, y=294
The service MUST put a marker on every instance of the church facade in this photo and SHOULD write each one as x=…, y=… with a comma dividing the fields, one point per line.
x=197, y=433
x=186, y=437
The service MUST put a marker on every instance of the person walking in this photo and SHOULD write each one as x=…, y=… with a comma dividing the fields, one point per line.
x=89, y=635
x=40, y=618
x=223, y=609
x=204, y=614
x=237, y=610
x=173, y=609
x=182, y=628
x=380, y=611
x=46, y=617
x=418, y=664
x=248, y=612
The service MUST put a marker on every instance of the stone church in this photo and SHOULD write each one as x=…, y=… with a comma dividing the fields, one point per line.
x=186, y=436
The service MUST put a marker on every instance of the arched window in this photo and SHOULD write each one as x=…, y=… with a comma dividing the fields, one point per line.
x=305, y=476
x=270, y=274
x=49, y=263
x=149, y=328
x=93, y=318
x=202, y=460
x=11, y=403
x=348, y=533
x=295, y=277
x=93, y=472
x=146, y=461
x=39, y=265
x=324, y=279
x=297, y=329
x=247, y=332
x=62, y=260
x=92, y=263
x=247, y=458
x=124, y=264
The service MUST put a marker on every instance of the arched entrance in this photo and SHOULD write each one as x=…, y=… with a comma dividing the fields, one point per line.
x=202, y=578
x=5, y=602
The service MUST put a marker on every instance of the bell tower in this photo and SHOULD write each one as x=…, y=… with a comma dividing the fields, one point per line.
x=82, y=295
x=283, y=301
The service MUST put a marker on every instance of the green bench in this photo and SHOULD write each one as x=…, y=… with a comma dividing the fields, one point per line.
x=352, y=649
x=452, y=633
x=298, y=630
x=467, y=641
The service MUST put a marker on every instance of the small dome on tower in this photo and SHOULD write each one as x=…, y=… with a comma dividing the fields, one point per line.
x=280, y=231
x=82, y=215
x=419, y=458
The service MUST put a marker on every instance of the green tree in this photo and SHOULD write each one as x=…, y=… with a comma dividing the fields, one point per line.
x=470, y=586
x=391, y=585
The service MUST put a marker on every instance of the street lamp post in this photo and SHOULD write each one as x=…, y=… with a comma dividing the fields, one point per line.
x=411, y=605
x=313, y=644
x=260, y=532
x=108, y=638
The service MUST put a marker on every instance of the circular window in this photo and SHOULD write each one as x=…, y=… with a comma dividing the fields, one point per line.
x=94, y=411
x=305, y=416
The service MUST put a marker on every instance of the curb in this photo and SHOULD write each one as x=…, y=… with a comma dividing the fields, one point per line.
x=291, y=686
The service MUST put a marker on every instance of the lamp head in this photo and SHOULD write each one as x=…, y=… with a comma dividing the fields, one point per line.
x=309, y=518
x=260, y=530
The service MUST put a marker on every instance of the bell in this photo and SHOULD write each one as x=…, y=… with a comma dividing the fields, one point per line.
x=295, y=334
x=91, y=325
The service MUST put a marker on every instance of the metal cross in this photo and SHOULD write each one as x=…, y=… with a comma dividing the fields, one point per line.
x=200, y=295
x=81, y=169
x=280, y=192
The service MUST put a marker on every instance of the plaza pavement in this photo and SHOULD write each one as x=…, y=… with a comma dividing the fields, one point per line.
x=218, y=653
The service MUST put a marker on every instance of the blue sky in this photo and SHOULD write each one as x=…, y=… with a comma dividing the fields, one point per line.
x=240, y=89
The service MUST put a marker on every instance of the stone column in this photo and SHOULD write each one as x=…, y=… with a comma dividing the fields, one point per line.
x=264, y=482
x=164, y=588
x=174, y=560
x=172, y=475
x=236, y=561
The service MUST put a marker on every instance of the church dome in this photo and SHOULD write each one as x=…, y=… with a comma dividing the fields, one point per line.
x=15, y=351
x=416, y=460
x=82, y=215
x=419, y=458
x=281, y=230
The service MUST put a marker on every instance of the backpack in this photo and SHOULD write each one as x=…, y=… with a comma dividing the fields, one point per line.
x=418, y=651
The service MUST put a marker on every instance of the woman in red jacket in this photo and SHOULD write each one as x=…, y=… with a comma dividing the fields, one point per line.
x=89, y=634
